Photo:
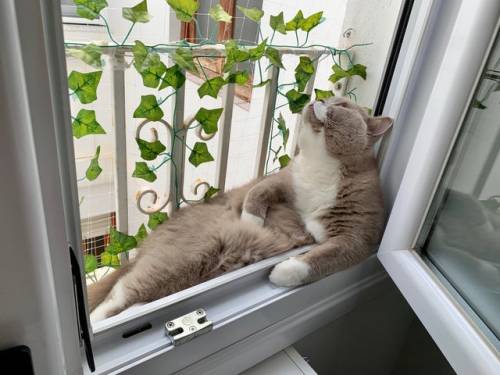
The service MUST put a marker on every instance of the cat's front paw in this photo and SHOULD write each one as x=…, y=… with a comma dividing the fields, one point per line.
x=251, y=218
x=291, y=272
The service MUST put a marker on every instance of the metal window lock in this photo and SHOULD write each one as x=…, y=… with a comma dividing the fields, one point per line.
x=188, y=326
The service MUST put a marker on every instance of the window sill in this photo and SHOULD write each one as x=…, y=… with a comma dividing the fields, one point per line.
x=244, y=307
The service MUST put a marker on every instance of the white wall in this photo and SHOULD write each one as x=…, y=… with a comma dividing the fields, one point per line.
x=372, y=22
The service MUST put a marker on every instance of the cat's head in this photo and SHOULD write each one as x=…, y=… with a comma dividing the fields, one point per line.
x=340, y=127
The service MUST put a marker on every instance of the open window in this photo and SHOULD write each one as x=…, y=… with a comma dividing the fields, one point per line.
x=100, y=192
x=134, y=194
x=441, y=244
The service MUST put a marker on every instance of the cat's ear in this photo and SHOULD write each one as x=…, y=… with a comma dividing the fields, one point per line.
x=377, y=126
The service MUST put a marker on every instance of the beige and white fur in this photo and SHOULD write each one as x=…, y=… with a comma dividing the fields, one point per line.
x=329, y=196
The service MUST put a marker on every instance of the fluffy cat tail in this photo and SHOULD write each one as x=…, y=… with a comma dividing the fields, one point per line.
x=98, y=291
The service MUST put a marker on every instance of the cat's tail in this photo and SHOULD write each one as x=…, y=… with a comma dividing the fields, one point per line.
x=97, y=292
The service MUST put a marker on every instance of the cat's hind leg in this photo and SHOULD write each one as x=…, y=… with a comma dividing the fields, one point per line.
x=118, y=299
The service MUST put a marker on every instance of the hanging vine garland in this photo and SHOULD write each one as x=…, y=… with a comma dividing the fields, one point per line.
x=185, y=56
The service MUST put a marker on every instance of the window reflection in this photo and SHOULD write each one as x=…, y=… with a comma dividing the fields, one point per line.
x=463, y=239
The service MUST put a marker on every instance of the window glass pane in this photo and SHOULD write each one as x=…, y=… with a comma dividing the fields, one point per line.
x=463, y=239
x=124, y=174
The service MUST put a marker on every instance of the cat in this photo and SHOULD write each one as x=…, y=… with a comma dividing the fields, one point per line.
x=328, y=196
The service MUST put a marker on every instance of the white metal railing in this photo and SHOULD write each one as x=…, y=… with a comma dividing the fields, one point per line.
x=175, y=184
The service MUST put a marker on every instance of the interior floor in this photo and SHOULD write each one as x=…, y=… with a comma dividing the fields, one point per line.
x=379, y=337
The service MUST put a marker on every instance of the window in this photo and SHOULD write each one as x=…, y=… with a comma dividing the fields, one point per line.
x=435, y=241
x=205, y=28
x=462, y=231
x=247, y=312
x=249, y=144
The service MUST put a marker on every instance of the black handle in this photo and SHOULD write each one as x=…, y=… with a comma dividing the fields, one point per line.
x=17, y=360
x=80, y=306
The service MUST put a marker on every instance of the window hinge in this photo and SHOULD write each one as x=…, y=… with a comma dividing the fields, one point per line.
x=186, y=327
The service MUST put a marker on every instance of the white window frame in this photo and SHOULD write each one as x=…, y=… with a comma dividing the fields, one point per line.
x=264, y=320
x=462, y=341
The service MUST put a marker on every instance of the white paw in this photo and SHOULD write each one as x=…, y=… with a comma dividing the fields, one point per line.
x=251, y=218
x=291, y=272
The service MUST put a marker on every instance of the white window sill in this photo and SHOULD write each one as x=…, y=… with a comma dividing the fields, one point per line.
x=245, y=309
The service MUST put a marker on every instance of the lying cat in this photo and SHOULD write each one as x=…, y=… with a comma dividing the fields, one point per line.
x=329, y=196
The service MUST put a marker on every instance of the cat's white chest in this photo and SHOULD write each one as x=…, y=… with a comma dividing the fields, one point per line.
x=316, y=185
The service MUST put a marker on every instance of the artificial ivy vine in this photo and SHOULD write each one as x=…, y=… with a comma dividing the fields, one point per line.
x=157, y=75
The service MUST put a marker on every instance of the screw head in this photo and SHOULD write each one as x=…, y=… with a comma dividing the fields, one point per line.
x=170, y=324
x=192, y=328
x=199, y=312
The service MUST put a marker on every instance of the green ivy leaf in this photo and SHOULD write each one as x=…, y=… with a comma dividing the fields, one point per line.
x=86, y=124
x=208, y=119
x=184, y=58
x=311, y=22
x=284, y=131
x=142, y=171
x=240, y=77
x=254, y=14
x=90, y=9
x=303, y=72
x=257, y=52
x=90, y=262
x=156, y=219
x=355, y=70
x=296, y=100
x=184, y=9
x=152, y=76
x=274, y=57
x=150, y=150
x=323, y=94
x=110, y=260
x=218, y=13
x=144, y=57
x=234, y=55
x=284, y=160
x=210, y=193
x=296, y=22
x=174, y=77
x=120, y=242
x=84, y=85
x=277, y=23
x=141, y=234
x=149, y=108
x=90, y=54
x=94, y=170
x=138, y=13
x=211, y=87
x=200, y=154
x=478, y=104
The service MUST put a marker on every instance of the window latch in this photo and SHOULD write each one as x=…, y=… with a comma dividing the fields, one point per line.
x=186, y=327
